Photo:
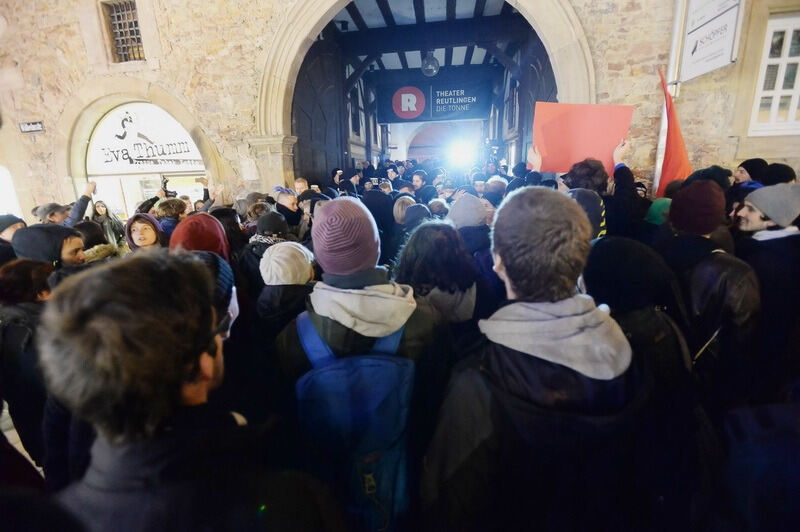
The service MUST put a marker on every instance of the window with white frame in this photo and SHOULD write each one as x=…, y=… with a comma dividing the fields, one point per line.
x=775, y=110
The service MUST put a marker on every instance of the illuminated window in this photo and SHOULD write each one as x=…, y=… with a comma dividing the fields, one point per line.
x=123, y=26
x=775, y=110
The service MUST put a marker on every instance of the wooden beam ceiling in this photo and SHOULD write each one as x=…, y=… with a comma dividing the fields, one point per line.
x=432, y=35
x=395, y=77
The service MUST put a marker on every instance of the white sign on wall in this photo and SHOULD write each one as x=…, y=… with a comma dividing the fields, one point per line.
x=140, y=137
x=711, y=35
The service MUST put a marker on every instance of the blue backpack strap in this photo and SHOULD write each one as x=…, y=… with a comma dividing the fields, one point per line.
x=389, y=345
x=318, y=352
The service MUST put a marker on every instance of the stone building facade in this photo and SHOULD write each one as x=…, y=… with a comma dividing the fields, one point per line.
x=226, y=71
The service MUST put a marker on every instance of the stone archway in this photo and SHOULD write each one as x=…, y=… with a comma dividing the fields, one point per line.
x=96, y=98
x=555, y=22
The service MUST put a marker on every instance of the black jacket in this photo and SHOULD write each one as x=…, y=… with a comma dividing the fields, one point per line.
x=67, y=445
x=777, y=264
x=278, y=305
x=250, y=261
x=202, y=473
x=6, y=252
x=21, y=381
x=523, y=443
x=723, y=303
x=478, y=243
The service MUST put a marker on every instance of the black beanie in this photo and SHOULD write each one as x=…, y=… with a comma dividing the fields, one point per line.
x=778, y=173
x=717, y=174
x=272, y=223
x=756, y=168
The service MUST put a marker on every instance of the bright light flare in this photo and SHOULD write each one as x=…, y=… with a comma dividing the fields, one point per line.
x=462, y=153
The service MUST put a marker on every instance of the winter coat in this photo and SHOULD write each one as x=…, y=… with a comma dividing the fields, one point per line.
x=625, y=210
x=21, y=380
x=775, y=258
x=723, y=303
x=6, y=252
x=349, y=312
x=168, y=225
x=278, y=305
x=201, y=473
x=112, y=226
x=77, y=211
x=250, y=259
x=67, y=445
x=538, y=426
x=478, y=243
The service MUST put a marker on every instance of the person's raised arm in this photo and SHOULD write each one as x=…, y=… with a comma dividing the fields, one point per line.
x=79, y=209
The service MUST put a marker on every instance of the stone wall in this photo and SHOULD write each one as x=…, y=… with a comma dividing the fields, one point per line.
x=209, y=59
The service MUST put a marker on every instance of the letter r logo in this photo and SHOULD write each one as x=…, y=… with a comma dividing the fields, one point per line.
x=408, y=103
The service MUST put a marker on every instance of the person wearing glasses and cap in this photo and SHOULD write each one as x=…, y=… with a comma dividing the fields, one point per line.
x=67, y=215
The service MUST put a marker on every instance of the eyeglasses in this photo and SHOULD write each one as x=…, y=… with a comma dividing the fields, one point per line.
x=224, y=325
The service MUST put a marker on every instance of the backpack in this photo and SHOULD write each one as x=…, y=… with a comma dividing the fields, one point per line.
x=356, y=408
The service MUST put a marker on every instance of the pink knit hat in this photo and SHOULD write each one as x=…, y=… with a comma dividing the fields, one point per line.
x=345, y=237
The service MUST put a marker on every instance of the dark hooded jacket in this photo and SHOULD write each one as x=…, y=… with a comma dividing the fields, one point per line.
x=539, y=433
x=250, y=260
x=625, y=209
x=201, y=473
x=21, y=381
x=6, y=252
x=478, y=243
x=42, y=242
x=380, y=206
x=723, y=303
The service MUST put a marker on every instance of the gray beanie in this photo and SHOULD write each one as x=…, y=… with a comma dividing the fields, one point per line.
x=467, y=211
x=781, y=203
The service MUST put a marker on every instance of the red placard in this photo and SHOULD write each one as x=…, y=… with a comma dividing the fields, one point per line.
x=566, y=133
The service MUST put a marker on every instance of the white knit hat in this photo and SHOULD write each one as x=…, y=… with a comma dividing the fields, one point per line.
x=286, y=263
x=467, y=211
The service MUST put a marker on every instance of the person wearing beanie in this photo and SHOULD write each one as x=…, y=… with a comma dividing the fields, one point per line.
x=717, y=174
x=779, y=173
x=426, y=194
x=415, y=215
x=721, y=293
x=271, y=229
x=201, y=232
x=769, y=215
x=287, y=272
x=355, y=304
x=750, y=170
x=469, y=216
x=144, y=231
x=381, y=206
x=625, y=208
x=594, y=207
x=654, y=225
x=8, y=226
x=51, y=243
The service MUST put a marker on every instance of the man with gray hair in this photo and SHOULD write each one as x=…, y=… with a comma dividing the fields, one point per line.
x=537, y=427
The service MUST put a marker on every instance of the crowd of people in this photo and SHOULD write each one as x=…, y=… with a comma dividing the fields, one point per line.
x=401, y=348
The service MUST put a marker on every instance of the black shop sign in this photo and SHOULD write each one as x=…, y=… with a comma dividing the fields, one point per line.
x=434, y=101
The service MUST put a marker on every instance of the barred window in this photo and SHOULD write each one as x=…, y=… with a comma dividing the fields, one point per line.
x=123, y=25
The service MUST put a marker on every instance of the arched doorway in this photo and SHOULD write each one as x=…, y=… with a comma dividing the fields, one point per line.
x=554, y=21
x=136, y=146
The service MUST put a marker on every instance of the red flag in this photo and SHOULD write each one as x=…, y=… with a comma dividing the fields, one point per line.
x=676, y=161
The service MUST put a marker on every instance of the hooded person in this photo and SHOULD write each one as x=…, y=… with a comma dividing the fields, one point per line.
x=654, y=222
x=594, y=207
x=539, y=420
x=468, y=215
x=9, y=224
x=54, y=244
x=380, y=205
x=642, y=292
x=144, y=231
x=415, y=215
x=287, y=271
x=201, y=232
x=769, y=216
x=721, y=293
x=355, y=304
x=234, y=233
x=426, y=194
x=625, y=208
x=271, y=229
